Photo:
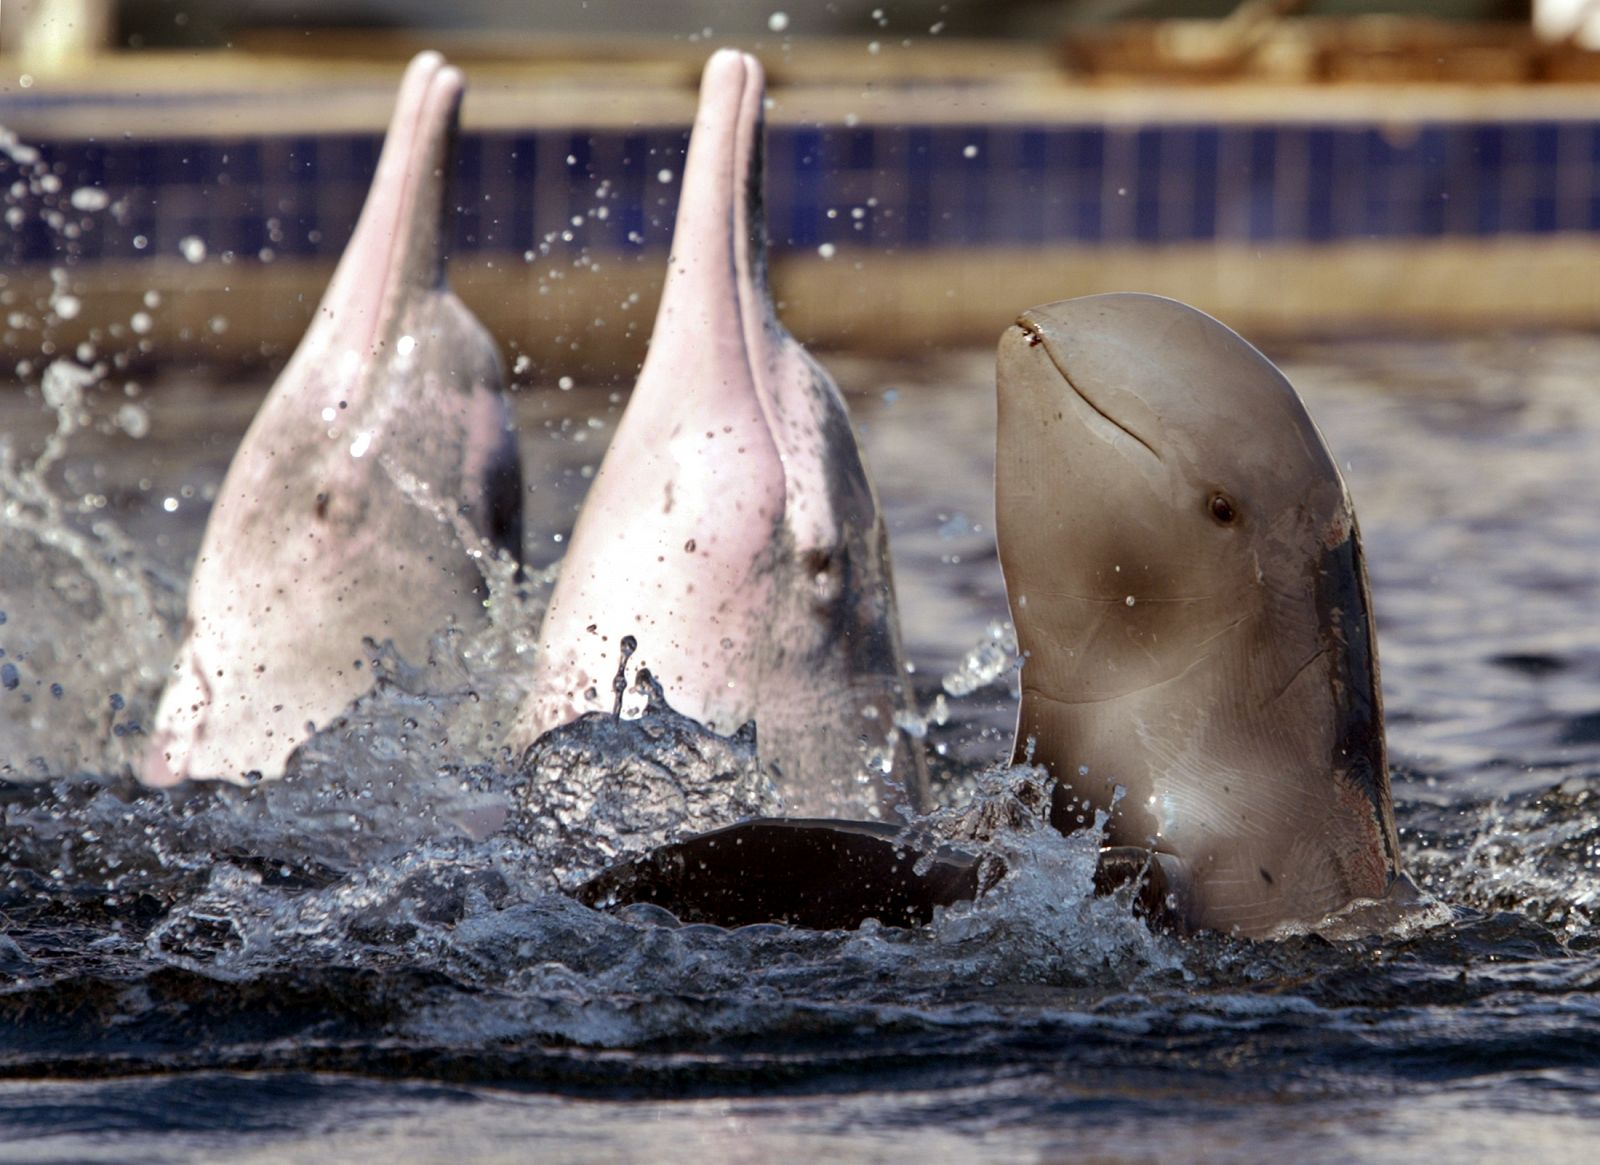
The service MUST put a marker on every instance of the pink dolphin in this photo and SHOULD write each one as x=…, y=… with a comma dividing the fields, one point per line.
x=732, y=529
x=377, y=471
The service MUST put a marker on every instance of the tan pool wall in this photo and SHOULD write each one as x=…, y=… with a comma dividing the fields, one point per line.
x=863, y=300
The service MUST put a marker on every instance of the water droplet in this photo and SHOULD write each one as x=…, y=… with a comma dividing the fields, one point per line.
x=778, y=21
x=664, y=177
x=193, y=248
x=89, y=198
x=133, y=420
x=970, y=152
x=827, y=250
x=406, y=345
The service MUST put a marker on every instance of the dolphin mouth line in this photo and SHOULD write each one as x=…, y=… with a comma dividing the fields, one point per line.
x=1036, y=337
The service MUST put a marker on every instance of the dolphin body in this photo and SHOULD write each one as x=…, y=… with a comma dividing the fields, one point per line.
x=732, y=532
x=1186, y=579
x=378, y=470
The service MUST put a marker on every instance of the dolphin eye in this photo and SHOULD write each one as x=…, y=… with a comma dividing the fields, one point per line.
x=827, y=577
x=1222, y=509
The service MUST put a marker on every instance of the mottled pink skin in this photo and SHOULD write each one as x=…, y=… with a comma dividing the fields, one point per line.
x=337, y=520
x=732, y=530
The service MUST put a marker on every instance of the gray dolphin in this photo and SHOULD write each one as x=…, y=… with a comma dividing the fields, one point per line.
x=377, y=471
x=1186, y=579
x=732, y=530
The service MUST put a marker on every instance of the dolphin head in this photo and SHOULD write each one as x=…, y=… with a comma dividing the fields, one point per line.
x=381, y=453
x=1185, y=575
x=731, y=529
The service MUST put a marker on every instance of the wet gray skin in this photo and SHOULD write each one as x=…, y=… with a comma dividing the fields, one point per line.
x=732, y=530
x=379, y=465
x=1185, y=575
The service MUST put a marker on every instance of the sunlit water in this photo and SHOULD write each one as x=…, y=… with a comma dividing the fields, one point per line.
x=373, y=960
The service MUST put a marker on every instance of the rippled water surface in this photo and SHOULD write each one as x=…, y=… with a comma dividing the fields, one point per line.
x=374, y=961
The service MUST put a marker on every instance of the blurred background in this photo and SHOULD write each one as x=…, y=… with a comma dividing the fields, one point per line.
x=182, y=174
x=149, y=23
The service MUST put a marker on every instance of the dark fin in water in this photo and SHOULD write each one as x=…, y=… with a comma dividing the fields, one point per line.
x=833, y=875
x=820, y=875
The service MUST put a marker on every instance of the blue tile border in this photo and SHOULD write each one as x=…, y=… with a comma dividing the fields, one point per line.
x=558, y=192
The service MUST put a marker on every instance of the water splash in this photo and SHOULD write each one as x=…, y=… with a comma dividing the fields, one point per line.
x=89, y=620
x=1535, y=853
x=86, y=618
x=992, y=660
x=604, y=787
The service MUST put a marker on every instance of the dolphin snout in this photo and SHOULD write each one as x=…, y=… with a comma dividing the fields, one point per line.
x=1105, y=407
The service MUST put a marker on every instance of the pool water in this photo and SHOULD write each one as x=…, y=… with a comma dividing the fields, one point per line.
x=354, y=966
